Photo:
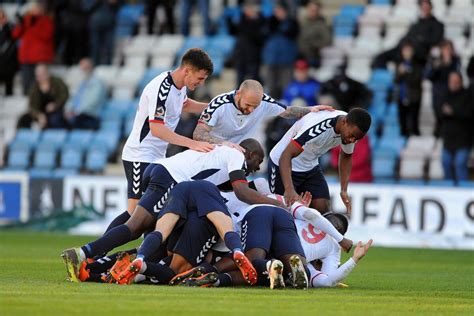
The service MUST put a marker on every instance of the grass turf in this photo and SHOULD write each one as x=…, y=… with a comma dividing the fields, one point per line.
x=387, y=281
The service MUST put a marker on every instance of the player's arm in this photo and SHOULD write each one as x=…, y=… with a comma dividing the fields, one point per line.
x=296, y=112
x=345, y=166
x=319, y=279
x=291, y=151
x=247, y=195
x=193, y=106
x=202, y=132
x=161, y=131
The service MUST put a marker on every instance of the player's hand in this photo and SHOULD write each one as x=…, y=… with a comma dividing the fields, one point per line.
x=346, y=244
x=291, y=196
x=233, y=145
x=318, y=108
x=306, y=198
x=347, y=202
x=361, y=250
x=202, y=146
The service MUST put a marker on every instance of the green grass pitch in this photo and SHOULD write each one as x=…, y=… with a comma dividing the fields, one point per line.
x=386, y=282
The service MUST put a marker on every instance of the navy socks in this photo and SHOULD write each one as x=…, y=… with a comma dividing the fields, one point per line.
x=150, y=245
x=232, y=241
x=119, y=220
x=117, y=236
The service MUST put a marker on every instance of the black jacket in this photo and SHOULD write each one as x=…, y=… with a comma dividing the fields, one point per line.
x=8, y=52
x=457, y=130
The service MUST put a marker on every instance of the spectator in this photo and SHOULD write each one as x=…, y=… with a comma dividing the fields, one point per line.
x=408, y=78
x=303, y=87
x=249, y=43
x=280, y=50
x=457, y=128
x=36, y=31
x=8, y=54
x=426, y=33
x=314, y=35
x=72, y=20
x=470, y=74
x=361, y=161
x=437, y=71
x=186, y=10
x=347, y=92
x=83, y=109
x=150, y=9
x=47, y=98
x=101, y=30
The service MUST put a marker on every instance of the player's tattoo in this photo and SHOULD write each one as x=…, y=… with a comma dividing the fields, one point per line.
x=295, y=112
x=203, y=135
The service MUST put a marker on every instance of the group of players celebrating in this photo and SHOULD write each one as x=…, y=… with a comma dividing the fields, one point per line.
x=205, y=224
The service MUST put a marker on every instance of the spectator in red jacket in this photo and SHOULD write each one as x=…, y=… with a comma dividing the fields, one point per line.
x=361, y=161
x=36, y=32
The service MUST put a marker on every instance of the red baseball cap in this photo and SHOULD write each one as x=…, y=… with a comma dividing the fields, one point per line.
x=301, y=64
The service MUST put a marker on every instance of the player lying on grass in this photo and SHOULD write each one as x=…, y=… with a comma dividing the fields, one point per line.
x=223, y=164
x=321, y=249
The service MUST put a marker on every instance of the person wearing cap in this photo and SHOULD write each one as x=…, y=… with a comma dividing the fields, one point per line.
x=303, y=86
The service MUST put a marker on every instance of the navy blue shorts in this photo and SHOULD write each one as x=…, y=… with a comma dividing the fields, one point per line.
x=193, y=238
x=134, y=171
x=312, y=181
x=159, y=185
x=272, y=229
x=199, y=196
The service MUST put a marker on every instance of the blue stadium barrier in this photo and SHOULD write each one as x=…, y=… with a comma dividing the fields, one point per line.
x=343, y=31
x=414, y=182
x=385, y=181
x=40, y=173
x=466, y=184
x=441, y=183
x=71, y=158
x=96, y=159
x=19, y=158
x=45, y=157
x=392, y=143
x=224, y=43
x=60, y=173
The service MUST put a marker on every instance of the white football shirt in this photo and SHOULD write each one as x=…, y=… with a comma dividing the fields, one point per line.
x=161, y=102
x=213, y=166
x=229, y=123
x=314, y=134
x=318, y=245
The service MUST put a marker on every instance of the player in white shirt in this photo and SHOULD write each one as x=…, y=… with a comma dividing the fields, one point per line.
x=318, y=245
x=293, y=165
x=158, y=114
x=236, y=115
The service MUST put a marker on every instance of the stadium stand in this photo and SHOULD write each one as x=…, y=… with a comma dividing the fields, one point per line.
x=360, y=31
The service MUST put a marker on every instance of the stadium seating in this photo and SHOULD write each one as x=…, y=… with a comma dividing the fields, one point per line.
x=96, y=159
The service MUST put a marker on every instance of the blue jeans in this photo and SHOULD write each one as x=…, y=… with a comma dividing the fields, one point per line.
x=455, y=161
x=186, y=10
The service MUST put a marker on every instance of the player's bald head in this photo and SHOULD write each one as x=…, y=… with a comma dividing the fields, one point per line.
x=251, y=87
x=249, y=96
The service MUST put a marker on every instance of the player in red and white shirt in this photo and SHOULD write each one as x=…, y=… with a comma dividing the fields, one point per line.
x=318, y=245
x=158, y=114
